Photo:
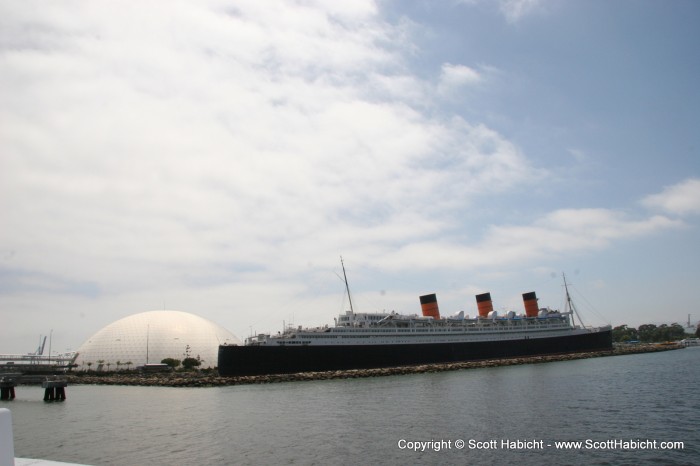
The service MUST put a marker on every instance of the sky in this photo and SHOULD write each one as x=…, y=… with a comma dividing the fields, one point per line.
x=219, y=158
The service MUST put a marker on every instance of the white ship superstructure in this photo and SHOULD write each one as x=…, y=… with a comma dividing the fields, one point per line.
x=392, y=328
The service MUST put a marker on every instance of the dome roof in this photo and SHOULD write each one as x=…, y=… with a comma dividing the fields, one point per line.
x=153, y=336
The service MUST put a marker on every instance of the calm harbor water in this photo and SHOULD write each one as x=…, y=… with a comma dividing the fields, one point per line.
x=643, y=397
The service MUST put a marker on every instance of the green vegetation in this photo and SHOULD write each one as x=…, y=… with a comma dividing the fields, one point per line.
x=648, y=333
x=189, y=362
x=172, y=362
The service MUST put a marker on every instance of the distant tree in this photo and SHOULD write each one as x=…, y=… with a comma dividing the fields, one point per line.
x=190, y=363
x=171, y=362
x=119, y=363
x=89, y=364
x=676, y=332
x=697, y=331
x=617, y=331
x=671, y=332
x=650, y=333
x=128, y=363
x=108, y=364
x=624, y=333
x=647, y=332
x=661, y=333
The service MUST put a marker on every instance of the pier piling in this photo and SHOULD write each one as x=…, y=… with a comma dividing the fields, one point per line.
x=7, y=390
x=54, y=390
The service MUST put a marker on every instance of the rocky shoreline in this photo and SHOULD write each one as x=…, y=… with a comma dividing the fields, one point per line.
x=212, y=379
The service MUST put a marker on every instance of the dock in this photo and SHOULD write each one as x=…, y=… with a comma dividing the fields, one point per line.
x=49, y=371
x=54, y=385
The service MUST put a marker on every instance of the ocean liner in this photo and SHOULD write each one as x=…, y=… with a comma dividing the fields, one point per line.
x=373, y=340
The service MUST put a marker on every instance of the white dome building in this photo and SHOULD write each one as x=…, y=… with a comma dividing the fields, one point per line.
x=150, y=337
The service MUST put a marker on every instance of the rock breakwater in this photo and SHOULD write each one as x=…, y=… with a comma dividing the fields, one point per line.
x=205, y=379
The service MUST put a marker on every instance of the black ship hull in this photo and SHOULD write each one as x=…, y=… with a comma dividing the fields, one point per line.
x=261, y=360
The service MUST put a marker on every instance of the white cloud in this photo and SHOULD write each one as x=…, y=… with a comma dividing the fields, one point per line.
x=512, y=10
x=515, y=10
x=680, y=199
x=143, y=145
x=560, y=232
x=455, y=76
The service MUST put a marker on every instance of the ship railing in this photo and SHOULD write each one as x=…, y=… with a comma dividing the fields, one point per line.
x=486, y=329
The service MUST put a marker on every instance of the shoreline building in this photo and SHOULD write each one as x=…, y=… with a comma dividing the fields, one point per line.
x=150, y=337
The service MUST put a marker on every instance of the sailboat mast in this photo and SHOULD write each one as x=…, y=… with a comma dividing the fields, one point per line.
x=347, y=288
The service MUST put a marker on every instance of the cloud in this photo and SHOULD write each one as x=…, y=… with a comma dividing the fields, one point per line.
x=680, y=199
x=455, y=76
x=512, y=10
x=208, y=143
x=214, y=142
x=515, y=10
x=561, y=232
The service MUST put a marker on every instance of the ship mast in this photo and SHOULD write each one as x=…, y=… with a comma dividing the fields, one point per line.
x=346, y=285
x=570, y=303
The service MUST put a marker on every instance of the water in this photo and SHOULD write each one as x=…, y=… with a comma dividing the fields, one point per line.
x=361, y=421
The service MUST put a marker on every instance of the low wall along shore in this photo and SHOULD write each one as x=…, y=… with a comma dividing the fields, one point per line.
x=203, y=379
